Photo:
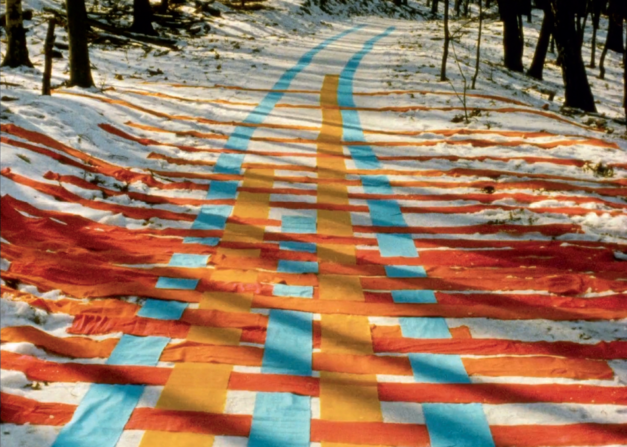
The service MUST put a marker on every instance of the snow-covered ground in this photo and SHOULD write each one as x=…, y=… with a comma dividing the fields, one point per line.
x=521, y=161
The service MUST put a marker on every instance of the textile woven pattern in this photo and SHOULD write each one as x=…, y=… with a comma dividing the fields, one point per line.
x=317, y=286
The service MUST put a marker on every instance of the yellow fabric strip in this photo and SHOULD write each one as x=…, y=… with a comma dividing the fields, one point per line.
x=339, y=287
x=332, y=193
x=240, y=252
x=175, y=439
x=346, y=334
x=252, y=205
x=244, y=233
x=349, y=397
x=258, y=178
x=196, y=387
x=340, y=254
x=227, y=301
x=214, y=335
x=335, y=223
x=343, y=397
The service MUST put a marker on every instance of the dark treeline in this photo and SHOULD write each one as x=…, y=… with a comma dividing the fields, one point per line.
x=563, y=30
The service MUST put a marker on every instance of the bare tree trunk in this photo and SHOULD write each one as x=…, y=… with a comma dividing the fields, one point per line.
x=434, y=6
x=447, y=38
x=513, y=42
x=142, y=17
x=45, y=87
x=164, y=6
x=478, y=61
x=577, y=88
x=80, y=69
x=615, y=28
x=16, y=51
x=596, y=17
x=539, y=57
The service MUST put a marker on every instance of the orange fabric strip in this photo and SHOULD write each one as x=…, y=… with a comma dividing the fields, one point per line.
x=75, y=347
x=45, y=371
x=501, y=393
x=476, y=310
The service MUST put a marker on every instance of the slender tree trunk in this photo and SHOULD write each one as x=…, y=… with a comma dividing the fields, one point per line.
x=552, y=46
x=513, y=42
x=434, y=6
x=447, y=38
x=164, y=6
x=142, y=17
x=602, y=61
x=80, y=69
x=582, y=29
x=478, y=61
x=596, y=17
x=577, y=89
x=615, y=27
x=539, y=57
x=16, y=51
x=45, y=87
x=525, y=9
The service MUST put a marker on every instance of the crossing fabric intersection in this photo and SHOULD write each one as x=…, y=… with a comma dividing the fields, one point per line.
x=316, y=296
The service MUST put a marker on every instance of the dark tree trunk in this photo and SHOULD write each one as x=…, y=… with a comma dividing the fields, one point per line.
x=16, y=51
x=596, y=17
x=80, y=69
x=164, y=6
x=525, y=9
x=513, y=42
x=478, y=59
x=615, y=28
x=539, y=57
x=577, y=89
x=142, y=17
x=447, y=39
x=45, y=85
x=434, y=6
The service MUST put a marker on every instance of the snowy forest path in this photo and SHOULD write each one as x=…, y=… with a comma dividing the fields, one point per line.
x=318, y=257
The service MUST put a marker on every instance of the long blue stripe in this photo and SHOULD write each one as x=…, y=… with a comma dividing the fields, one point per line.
x=438, y=368
x=222, y=190
x=363, y=156
x=142, y=351
x=240, y=138
x=281, y=420
x=448, y=425
x=414, y=296
x=162, y=310
x=101, y=416
x=396, y=245
x=103, y=412
x=386, y=213
x=289, y=346
x=461, y=425
x=424, y=327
